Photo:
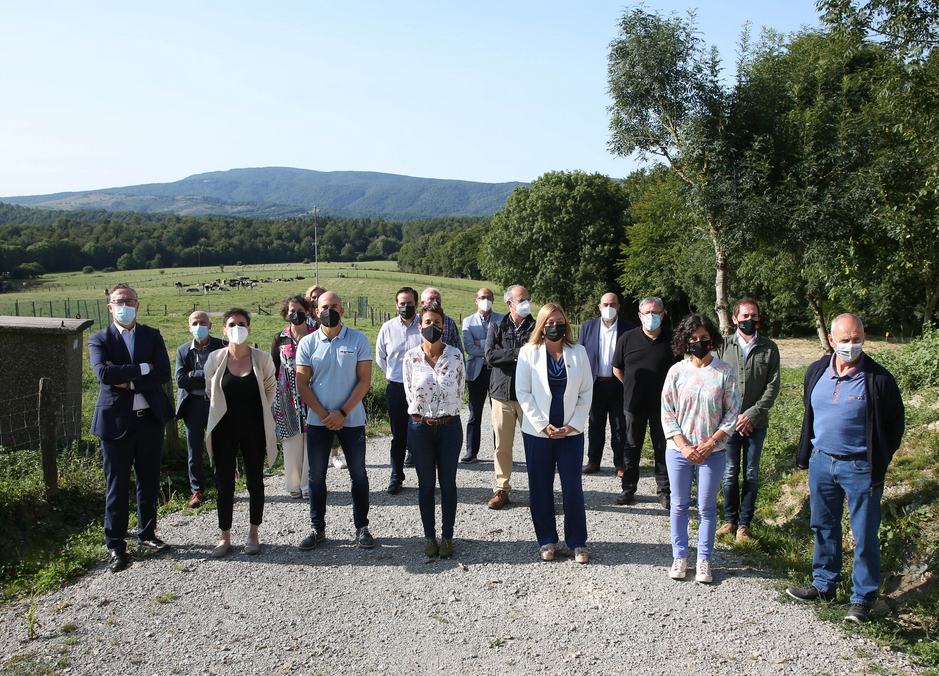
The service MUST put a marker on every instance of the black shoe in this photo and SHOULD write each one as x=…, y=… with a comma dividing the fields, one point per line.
x=626, y=498
x=366, y=541
x=810, y=593
x=666, y=501
x=154, y=544
x=394, y=488
x=312, y=541
x=468, y=459
x=857, y=614
x=408, y=460
x=118, y=561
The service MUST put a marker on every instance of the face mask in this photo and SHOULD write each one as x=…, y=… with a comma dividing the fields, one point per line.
x=554, y=332
x=748, y=326
x=297, y=318
x=700, y=349
x=485, y=305
x=432, y=333
x=237, y=334
x=124, y=314
x=523, y=309
x=329, y=318
x=199, y=332
x=651, y=322
x=848, y=352
x=608, y=313
x=406, y=311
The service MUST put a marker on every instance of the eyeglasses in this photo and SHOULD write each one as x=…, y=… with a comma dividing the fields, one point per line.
x=120, y=302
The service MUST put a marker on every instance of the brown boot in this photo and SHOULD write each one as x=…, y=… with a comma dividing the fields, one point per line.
x=591, y=467
x=499, y=500
x=743, y=533
x=726, y=529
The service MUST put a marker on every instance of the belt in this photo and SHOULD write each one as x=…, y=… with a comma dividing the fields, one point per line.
x=853, y=456
x=141, y=412
x=604, y=379
x=433, y=421
x=395, y=383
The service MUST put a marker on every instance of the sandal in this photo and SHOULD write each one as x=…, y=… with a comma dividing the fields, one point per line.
x=547, y=552
x=295, y=495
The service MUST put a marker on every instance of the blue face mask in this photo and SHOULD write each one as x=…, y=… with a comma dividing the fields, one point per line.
x=651, y=322
x=199, y=332
x=124, y=314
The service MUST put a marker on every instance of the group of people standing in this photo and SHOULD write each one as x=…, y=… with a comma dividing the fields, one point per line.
x=704, y=399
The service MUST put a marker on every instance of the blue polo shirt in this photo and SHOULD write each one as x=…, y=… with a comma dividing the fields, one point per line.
x=334, y=364
x=840, y=406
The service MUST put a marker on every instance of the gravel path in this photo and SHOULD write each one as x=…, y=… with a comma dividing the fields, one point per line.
x=493, y=608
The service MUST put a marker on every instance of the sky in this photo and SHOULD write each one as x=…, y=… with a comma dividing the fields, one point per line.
x=108, y=94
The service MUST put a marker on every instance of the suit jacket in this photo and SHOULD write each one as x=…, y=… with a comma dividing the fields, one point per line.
x=196, y=381
x=263, y=367
x=115, y=405
x=534, y=391
x=474, y=329
x=590, y=339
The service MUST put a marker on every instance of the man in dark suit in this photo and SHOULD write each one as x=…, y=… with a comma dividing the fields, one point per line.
x=192, y=398
x=131, y=364
x=599, y=337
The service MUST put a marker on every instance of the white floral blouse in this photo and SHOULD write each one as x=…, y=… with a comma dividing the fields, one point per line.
x=434, y=392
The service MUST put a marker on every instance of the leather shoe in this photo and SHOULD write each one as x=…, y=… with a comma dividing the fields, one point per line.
x=118, y=561
x=666, y=501
x=626, y=498
x=154, y=544
x=408, y=460
x=499, y=500
x=619, y=472
x=591, y=467
x=394, y=488
x=312, y=541
x=468, y=459
x=196, y=500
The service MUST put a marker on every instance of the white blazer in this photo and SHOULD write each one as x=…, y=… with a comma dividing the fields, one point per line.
x=263, y=367
x=534, y=392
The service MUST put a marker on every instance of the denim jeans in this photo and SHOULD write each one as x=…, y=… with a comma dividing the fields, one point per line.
x=739, y=504
x=398, y=420
x=542, y=456
x=319, y=441
x=831, y=480
x=681, y=472
x=607, y=405
x=436, y=452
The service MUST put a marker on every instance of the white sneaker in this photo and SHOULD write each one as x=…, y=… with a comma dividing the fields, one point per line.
x=338, y=462
x=703, y=571
x=678, y=569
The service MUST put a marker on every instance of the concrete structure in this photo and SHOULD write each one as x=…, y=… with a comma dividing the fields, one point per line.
x=34, y=348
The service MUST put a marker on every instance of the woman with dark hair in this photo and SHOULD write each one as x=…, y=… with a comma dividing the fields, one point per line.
x=242, y=386
x=700, y=403
x=434, y=376
x=554, y=386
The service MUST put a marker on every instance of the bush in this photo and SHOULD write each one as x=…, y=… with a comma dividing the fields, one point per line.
x=109, y=270
x=88, y=269
x=916, y=364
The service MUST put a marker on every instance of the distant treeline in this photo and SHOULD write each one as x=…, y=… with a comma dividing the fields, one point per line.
x=34, y=241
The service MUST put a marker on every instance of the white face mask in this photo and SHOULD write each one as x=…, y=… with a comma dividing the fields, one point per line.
x=485, y=305
x=523, y=309
x=237, y=334
x=608, y=313
x=848, y=352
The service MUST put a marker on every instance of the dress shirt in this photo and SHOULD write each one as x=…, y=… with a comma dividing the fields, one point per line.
x=394, y=339
x=746, y=346
x=434, y=391
x=607, y=346
x=140, y=401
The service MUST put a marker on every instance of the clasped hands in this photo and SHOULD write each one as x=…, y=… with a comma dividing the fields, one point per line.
x=558, y=432
x=698, y=453
x=334, y=420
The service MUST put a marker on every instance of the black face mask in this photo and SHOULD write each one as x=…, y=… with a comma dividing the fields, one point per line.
x=554, y=332
x=406, y=311
x=297, y=318
x=432, y=333
x=329, y=318
x=748, y=326
x=700, y=349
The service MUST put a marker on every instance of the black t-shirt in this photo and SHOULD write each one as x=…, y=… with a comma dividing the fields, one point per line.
x=645, y=363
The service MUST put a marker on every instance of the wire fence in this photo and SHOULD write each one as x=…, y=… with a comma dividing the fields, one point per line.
x=22, y=425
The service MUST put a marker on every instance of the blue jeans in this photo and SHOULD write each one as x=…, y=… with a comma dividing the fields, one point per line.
x=319, y=442
x=436, y=452
x=681, y=472
x=831, y=480
x=542, y=455
x=739, y=504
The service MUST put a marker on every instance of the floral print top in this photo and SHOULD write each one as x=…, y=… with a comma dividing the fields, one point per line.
x=434, y=391
x=697, y=402
x=289, y=410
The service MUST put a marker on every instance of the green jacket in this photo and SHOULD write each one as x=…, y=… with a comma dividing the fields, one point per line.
x=757, y=378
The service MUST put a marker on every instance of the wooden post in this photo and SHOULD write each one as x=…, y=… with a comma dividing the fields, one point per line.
x=48, y=431
x=172, y=430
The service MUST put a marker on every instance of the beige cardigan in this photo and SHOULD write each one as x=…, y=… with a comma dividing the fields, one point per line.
x=263, y=367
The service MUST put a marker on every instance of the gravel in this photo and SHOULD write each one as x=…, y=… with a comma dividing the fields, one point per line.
x=493, y=608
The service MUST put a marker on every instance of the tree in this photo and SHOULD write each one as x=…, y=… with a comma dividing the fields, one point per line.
x=126, y=262
x=559, y=238
x=88, y=270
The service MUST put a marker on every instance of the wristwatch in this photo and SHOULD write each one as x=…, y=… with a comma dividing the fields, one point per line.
x=344, y=414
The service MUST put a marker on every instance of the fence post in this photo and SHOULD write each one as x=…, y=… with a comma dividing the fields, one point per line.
x=172, y=430
x=48, y=431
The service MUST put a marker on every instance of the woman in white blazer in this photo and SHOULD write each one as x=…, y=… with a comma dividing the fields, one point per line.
x=554, y=386
x=242, y=386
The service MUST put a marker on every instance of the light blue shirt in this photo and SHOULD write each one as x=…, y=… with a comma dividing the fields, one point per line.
x=395, y=338
x=334, y=364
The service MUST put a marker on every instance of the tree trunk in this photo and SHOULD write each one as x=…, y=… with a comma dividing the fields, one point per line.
x=931, y=307
x=820, y=324
x=721, y=307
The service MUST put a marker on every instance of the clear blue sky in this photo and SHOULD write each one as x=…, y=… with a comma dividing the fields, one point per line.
x=104, y=94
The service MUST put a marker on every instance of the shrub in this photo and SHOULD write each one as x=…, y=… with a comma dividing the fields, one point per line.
x=88, y=269
x=916, y=364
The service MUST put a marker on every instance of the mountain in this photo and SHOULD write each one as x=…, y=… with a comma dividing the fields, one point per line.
x=282, y=191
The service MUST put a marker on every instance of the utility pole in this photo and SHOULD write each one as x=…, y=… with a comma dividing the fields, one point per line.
x=316, y=250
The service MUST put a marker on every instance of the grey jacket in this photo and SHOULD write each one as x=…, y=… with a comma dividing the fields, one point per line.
x=757, y=377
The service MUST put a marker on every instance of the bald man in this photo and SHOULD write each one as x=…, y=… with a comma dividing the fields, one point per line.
x=854, y=419
x=192, y=399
